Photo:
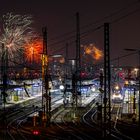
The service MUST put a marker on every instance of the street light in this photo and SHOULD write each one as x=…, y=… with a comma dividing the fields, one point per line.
x=138, y=51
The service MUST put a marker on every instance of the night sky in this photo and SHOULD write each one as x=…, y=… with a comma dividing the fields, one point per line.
x=59, y=17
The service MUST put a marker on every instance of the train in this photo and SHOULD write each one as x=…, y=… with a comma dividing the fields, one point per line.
x=117, y=93
x=117, y=96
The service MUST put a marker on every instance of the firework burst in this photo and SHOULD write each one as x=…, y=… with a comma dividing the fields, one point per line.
x=15, y=32
x=33, y=50
x=92, y=50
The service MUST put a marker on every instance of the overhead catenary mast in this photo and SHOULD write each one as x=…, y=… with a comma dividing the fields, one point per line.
x=4, y=71
x=78, y=58
x=106, y=100
x=46, y=99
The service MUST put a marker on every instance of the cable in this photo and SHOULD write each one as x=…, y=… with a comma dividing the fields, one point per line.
x=91, y=24
x=99, y=27
x=112, y=22
x=126, y=15
x=82, y=36
x=112, y=14
x=116, y=59
x=86, y=33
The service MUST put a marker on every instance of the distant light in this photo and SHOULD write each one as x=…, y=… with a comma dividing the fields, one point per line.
x=35, y=85
x=61, y=87
x=136, y=70
x=36, y=132
x=73, y=62
x=18, y=89
x=126, y=82
x=93, y=89
x=132, y=89
x=117, y=87
x=56, y=55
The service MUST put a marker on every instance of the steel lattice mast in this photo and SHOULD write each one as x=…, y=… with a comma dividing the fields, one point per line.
x=46, y=99
x=106, y=101
x=4, y=72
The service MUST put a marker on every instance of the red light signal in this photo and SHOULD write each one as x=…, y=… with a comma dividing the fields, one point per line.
x=36, y=132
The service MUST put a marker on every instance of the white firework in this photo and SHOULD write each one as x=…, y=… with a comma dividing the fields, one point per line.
x=15, y=32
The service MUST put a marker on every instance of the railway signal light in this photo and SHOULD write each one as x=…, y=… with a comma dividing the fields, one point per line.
x=35, y=132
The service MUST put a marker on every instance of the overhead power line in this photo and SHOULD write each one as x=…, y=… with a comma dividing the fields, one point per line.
x=88, y=32
x=69, y=35
x=71, y=39
x=116, y=58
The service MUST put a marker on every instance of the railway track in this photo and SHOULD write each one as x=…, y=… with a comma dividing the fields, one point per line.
x=15, y=116
x=115, y=132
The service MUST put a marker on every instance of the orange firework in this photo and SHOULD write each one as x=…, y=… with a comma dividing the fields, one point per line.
x=88, y=50
x=96, y=53
x=33, y=51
